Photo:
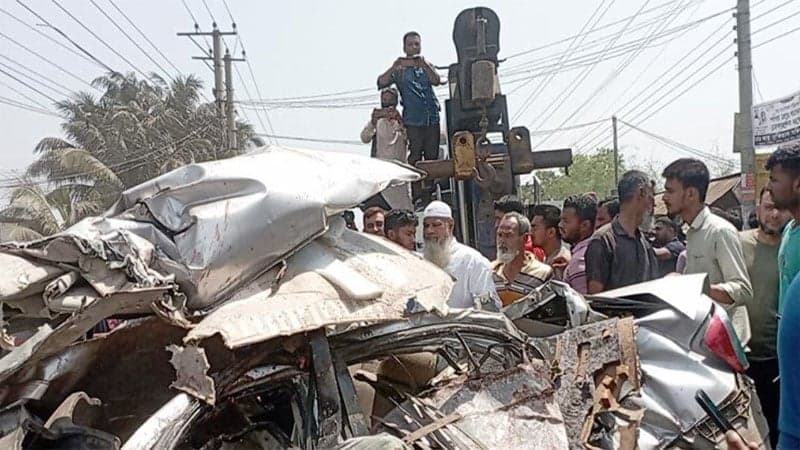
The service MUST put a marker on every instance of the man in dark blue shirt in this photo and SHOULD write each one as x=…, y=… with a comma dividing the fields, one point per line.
x=415, y=78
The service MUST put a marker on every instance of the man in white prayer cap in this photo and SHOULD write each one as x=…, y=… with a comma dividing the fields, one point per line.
x=474, y=286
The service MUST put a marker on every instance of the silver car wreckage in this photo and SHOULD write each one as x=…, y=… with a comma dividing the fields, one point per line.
x=251, y=318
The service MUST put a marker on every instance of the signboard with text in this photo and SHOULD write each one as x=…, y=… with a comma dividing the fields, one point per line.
x=777, y=121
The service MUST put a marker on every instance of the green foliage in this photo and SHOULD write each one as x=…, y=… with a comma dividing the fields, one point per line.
x=589, y=173
x=135, y=131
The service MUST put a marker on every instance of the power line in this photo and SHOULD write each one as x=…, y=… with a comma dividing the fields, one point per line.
x=120, y=168
x=715, y=69
x=647, y=66
x=568, y=128
x=569, y=90
x=793, y=30
x=196, y=25
x=258, y=90
x=784, y=19
x=29, y=77
x=46, y=60
x=20, y=105
x=28, y=86
x=124, y=33
x=94, y=59
x=599, y=41
x=141, y=33
x=210, y=14
x=106, y=44
x=598, y=133
x=679, y=71
x=247, y=92
x=23, y=95
x=306, y=139
x=615, y=72
x=675, y=144
x=567, y=39
x=758, y=88
x=580, y=36
x=628, y=47
x=41, y=33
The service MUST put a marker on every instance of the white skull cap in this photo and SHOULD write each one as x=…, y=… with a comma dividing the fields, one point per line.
x=438, y=209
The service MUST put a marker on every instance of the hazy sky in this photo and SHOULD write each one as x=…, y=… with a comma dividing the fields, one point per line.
x=302, y=48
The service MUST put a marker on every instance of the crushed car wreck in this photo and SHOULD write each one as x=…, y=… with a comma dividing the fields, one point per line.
x=253, y=319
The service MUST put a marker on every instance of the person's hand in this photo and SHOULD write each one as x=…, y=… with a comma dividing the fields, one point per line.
x=736, y=443
x=376, y=114
x=559, y=263
x=393, y=114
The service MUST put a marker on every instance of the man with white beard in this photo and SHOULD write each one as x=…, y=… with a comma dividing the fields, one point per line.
x=516, y=272
x=474, y=287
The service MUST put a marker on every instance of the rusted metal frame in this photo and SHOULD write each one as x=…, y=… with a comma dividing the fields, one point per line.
x=435, y=425
x=436, y=413
x=470, y=356
x=352, y=415
x=373, y=348
x=437, y=435
x=326, y=389
x=489, y=353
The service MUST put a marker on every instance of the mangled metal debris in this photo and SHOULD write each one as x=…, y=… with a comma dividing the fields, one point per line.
x=514, y=408
x=191, y=367
x=254, y=319
x=595, y=368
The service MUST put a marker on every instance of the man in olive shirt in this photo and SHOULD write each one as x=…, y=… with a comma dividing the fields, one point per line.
x=760, y=247
x=712, y=245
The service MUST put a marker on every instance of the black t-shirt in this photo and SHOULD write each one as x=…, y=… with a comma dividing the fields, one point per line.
x=666, y=266
x=617, y=259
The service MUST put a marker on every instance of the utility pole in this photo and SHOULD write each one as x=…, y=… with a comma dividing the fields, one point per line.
x=223, y=82
x=616, y=152
x=744, y=123
x=229, y=110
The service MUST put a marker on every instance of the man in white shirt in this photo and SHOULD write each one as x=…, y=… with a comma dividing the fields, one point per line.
x=474, y=286
x=387, y=134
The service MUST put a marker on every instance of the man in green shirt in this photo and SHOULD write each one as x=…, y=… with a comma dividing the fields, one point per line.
x=784, y=184
x=760, y=247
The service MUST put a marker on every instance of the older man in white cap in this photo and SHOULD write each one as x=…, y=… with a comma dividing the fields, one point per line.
x=474, y=286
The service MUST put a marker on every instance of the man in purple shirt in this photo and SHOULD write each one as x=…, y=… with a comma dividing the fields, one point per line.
x=577, y=226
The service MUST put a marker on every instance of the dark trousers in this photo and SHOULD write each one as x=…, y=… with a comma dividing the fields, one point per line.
x=422, y=142
x=762, y=373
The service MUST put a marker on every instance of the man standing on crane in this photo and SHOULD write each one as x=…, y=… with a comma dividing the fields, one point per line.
x=415, y=78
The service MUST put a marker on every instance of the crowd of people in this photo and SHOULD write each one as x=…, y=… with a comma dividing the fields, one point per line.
x=599, y=245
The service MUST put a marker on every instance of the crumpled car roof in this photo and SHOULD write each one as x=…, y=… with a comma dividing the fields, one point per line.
x=210, y=227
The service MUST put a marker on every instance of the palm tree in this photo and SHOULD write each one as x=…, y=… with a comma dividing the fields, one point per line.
x=136, y=130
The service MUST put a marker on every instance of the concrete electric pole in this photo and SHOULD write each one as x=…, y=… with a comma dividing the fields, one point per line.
x=223, y=80
x=230, y=116
x=744, y=123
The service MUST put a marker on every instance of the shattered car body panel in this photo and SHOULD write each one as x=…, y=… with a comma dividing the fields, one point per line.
x=339, y=279
x=670, y=317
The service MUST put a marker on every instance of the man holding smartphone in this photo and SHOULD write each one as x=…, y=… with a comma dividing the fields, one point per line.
x=415, y=78
x=387, y=134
